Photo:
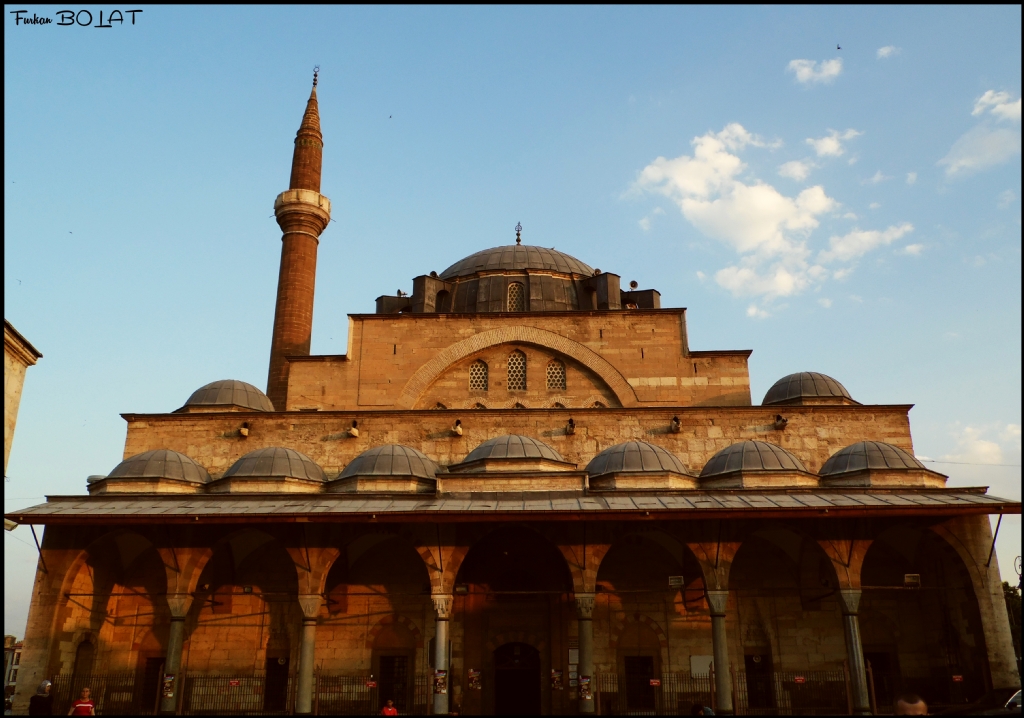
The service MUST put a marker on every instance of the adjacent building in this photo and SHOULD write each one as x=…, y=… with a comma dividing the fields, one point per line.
x=520, y=490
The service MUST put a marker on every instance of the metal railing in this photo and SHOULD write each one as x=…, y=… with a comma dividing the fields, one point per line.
x=237, y=695
x=113, y=694
x=673, y=694
x=347, y=695
x=791, y=693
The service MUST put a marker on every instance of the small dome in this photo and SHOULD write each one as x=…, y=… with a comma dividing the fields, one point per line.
x=804, y=384
x=275, y=462
x=159, y=464
x=751, y=456
x=869, y=455
x=229, y=392
x=513, y=446
x=635, y=456
x=391, y=460
x=516, y=256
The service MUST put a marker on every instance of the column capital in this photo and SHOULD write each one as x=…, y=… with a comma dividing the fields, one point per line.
x=849, y=598
x=179, y=605
x=310, y=604
x=584, y=606
x=717, y=600
x=442, y=605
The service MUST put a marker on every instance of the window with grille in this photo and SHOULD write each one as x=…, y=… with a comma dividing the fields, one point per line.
x=556, y=375
x=516, y=297
x=478, y=376
x=517, y=371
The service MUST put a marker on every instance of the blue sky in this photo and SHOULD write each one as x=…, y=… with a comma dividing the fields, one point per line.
x=854, y=211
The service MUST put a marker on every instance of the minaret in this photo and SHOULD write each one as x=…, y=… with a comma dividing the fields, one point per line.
x=302, y=213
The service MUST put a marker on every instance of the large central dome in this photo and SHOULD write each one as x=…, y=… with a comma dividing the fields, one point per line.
x=517, y=257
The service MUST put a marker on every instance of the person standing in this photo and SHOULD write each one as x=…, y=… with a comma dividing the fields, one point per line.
x=41, y=704
x=84, y=705
x=389, y=708
x=910, y=704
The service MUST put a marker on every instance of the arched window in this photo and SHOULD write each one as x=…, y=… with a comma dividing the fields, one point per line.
x=478, y=376
x=517, y=371
x=600, y=405
x=478, y=405
x=516, y=297
x=441, y=301
x=556, y=375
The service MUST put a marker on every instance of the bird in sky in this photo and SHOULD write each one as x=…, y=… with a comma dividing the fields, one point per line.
x=838, y=48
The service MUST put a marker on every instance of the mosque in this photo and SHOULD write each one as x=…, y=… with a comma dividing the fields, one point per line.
x=520, y=490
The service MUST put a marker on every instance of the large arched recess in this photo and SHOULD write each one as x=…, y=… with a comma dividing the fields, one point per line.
x=377, y=595
x=919, y=638
x=651, y=628
x=112, y=597
x=245, y=612
x=784, y=614
x=513, y=586
x=426, y=374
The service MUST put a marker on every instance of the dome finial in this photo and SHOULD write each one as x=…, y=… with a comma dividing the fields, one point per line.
x=316, y=72
x=519, y=229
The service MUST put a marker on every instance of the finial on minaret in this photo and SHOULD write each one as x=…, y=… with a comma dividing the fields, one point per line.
x=519, y=229
x=316, y=71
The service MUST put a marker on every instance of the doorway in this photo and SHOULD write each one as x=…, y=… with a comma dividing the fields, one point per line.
x=394, y=681
x=275, y=689
x=152, y=675
x=639, y=691
x=516, y=680
x=759, y=681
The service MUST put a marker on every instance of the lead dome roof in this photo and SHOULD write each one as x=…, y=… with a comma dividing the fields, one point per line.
x=230, y=392
x=513, y=446
x=160, y=464
x=751, y=456
x=635, y=456
x=804, y=384
x=391, y=460
x=275, y=462
x=869, y=455
x=517, y=256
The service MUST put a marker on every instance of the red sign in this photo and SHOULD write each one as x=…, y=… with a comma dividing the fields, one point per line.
x=656, y=682
x=799, y=679
x=234, y=682
x=958, y=679
x=371, y=684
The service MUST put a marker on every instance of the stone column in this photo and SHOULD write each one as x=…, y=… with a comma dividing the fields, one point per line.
x=585, y=614
x=717, y=601
x=179, y=604
x=850, y=599
x=443, y=609
x=310, y=605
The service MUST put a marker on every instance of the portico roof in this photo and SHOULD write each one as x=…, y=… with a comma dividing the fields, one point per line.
x=518, y=506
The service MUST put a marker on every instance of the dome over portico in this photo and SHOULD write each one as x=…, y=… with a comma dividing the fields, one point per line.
x=516, y=257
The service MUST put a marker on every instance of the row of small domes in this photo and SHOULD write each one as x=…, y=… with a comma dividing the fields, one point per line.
x=788, y=389
x=628, y=457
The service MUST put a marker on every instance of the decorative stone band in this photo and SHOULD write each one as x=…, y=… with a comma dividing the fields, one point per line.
x=310, y=204
x=442, y=605
x=584, y=606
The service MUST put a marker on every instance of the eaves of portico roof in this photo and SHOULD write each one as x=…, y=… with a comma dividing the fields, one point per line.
x=512, y=506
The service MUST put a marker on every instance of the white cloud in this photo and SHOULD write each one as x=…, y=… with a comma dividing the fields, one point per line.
x=874, y=205
x=796, y=170
x=911, y=177
x=658, y=210
x=984, y=444
x=887, y=51
x=979, y=149
x=858, y=243
x=843, y=274
x=856, y=298
x=756, y=312
x=998, y=103
x=850, y=215
x=914, y=250
x=768, y=230
x=827, y=303
x=701, y=276
x=1006, y=199
x=831, y=145
x=876, y=178
x=645, y=224
x=809, y=72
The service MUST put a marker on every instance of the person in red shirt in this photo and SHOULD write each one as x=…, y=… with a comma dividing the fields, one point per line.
x=83, y=706
x=389, y=708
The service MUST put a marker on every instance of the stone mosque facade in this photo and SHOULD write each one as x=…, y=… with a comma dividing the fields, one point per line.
x=520, y=490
